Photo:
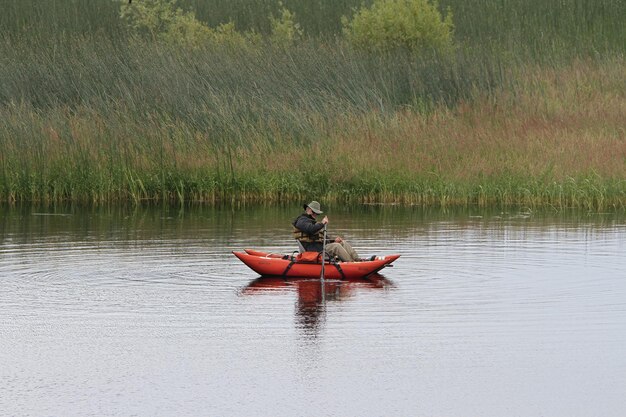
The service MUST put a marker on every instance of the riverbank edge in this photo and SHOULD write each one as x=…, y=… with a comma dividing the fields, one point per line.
x=592, y=194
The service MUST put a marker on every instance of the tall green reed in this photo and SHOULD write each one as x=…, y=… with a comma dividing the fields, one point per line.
x=541, y=28
x=226, y=92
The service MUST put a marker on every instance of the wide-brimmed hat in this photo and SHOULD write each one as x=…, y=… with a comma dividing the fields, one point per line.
x=315, y=206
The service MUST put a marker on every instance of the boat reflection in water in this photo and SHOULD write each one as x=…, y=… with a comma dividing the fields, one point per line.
x=314, y=295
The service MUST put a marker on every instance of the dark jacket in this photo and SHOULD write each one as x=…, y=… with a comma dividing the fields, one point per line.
x=313, y=229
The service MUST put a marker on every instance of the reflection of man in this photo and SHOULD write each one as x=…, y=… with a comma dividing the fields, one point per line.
x=309, y=308
x=311, y=304
x=310, y=234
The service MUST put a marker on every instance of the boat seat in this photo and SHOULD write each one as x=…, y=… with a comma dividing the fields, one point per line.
x=301, y=249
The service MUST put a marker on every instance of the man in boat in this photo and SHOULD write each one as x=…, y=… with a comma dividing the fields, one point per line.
x=310, y=233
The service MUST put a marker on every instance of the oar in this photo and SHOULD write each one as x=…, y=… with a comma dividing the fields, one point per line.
x=322, y=284
x=323, y=254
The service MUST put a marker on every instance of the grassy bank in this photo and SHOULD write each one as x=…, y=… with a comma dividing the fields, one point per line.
x=556, y=137
x=89, y=114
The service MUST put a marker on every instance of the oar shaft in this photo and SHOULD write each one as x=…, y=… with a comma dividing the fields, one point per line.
x=323, y=253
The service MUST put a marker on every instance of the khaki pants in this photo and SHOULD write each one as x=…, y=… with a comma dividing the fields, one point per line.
x=342, y=251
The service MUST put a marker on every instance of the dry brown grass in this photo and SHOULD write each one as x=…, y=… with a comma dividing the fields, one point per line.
x=555, y=125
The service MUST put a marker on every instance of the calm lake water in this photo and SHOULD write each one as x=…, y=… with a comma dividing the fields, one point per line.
x=146, y=312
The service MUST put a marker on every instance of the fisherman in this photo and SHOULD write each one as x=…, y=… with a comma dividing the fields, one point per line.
x=310, y=233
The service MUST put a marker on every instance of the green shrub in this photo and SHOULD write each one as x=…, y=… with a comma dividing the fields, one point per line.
x=392, y=24
x=155, y=17
x=163, y=21
x=285, y=30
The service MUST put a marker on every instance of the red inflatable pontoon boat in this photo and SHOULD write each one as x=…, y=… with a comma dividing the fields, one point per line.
x=308, y=264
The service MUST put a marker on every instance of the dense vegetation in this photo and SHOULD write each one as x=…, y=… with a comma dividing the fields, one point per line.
x=527, y=108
